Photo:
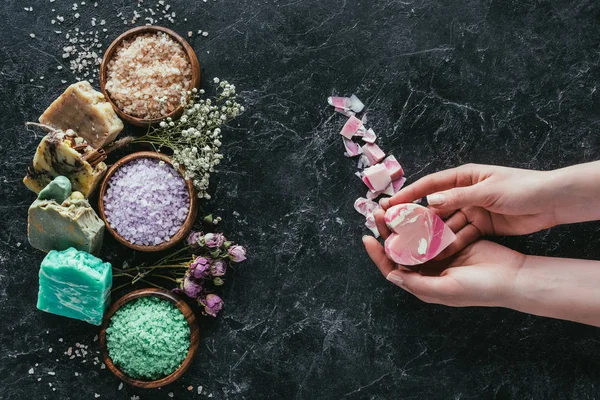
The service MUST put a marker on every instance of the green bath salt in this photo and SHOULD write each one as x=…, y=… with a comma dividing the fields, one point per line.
x=148, y=338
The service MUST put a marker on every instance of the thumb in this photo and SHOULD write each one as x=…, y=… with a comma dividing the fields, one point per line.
x=457, y=198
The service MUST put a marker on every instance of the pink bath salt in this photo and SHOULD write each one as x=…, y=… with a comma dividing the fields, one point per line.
x=369, y=136
x=398, y=184
x=350, y=127
x=339, y=102
x=365, y=206
x=394, y=167
x=370, y=223
x=377, y=177
x=363, y=119
x=418, y=236
x=345, y=112
x=352, y=149
x=373, y=153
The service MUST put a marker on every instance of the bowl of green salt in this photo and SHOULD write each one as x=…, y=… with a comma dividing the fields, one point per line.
x=149, y=338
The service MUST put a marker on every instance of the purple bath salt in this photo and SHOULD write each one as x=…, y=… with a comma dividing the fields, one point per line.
x=146, y=202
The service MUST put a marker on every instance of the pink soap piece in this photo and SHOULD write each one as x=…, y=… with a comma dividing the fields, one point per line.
x=363, y=162
x=373, y=153
x=363, y=119
x=350, y=127
x=367, y=182
x=355, y=104
x=418, y=234
x=345, y=112
x=377, y=177
x=340, y=102
x=389, y=191
x=352, y=149
x=398, y=184
x=370, y=223
x=365, y=207
x=394, y=167
x=369, y=136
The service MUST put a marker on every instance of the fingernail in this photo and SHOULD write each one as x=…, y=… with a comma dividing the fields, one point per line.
x=436, y=199
x=395, y=279
x=384, y=203
x=364, y=237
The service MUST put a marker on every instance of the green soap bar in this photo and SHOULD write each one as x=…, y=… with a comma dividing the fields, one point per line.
x=59, y=190
x=74, y=223
x=75, y=284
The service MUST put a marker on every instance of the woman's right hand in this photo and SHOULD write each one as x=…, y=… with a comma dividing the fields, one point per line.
x=480, y=200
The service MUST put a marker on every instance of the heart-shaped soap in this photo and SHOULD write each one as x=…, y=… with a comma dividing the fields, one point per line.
x=418, y=234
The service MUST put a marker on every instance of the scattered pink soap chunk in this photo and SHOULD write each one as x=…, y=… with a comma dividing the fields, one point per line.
x=377, y=177
x=373, y=153
x=398, y=184
x=351, y=127
x=365, y=207
x=363, y=162
x=370, y=223
x=352, y=149
x=339, y=102
x=345, y=112
x=419, y=234
x=394, y=167
x=355, y=104
x=369, y=136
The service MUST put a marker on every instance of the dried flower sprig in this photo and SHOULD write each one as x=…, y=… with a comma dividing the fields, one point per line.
x=195, y=138
x=197, y=269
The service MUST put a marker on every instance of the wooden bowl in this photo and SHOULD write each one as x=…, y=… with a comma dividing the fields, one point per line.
x=194, y=337
x=187, y=224
x=128, y=35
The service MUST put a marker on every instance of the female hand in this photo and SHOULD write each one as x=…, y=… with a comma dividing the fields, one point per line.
x=483, y=274
x=480, y=200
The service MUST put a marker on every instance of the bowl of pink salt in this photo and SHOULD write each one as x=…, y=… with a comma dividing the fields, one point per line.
x=149, y=338
x=146, y=203
x=145, y=72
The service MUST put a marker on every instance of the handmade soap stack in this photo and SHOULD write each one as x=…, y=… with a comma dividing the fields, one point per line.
x=60, y=219
x=75, y=284
x=81, y=122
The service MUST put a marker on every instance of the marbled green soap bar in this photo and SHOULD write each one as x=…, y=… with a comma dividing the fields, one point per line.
x=75, y=284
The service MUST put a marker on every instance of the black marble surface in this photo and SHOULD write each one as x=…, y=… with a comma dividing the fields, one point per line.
x=308, y=316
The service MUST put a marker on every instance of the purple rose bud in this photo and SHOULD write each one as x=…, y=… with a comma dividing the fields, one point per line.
x=212, y=304
x=191, y=287
x=200, y=267
x=237, y=253
x=194, y=238
x=218, y=268
x=214, y=240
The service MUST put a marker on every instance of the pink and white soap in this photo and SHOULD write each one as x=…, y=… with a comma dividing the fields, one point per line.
x=373, y=153
x=377, y=178
x=419, y=235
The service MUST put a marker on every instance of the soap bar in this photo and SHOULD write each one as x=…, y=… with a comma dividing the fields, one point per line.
x=59, y=190
x=86, y=111
x=418, y=234
x=54, y=225
x=75, y=284
x=65, y=153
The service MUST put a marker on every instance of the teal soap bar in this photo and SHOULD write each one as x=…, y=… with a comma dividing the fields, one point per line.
x=75, y=284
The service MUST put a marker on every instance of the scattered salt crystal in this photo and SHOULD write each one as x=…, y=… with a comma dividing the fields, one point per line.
x=51, y=373
x=190, y=33
x=30, y=371
x=205, y=34
x=50, y=350
x=32, y=35
x=60, y=340
x=170, y=394
x=120, y=386
x=200, y=389
x=96, y=395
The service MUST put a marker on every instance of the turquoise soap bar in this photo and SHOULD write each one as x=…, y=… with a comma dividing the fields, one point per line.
x=75, y=284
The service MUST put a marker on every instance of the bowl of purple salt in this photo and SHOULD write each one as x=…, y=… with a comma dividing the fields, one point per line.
x=146, y=203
